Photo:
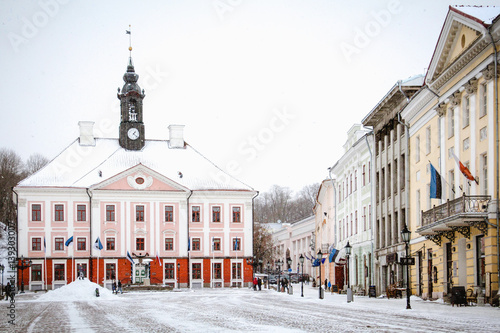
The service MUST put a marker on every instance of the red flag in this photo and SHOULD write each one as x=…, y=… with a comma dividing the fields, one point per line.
x=464, y=170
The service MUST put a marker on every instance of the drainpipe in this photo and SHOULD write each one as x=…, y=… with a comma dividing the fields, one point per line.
x=253, y=226
x=334, y=214
x=17, y=229
x=495, y=84
x=189, y=244
x=372, y=261
x=91, y=268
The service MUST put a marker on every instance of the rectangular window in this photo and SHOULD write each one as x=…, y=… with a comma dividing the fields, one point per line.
x=351, y=224
x=484, y=174
x=340, y=193
x=350, y=183
x=236, y=244
x=59, y=272
x=466, y=111
x=81, y=213
x=196, y=244
x=428, y=140
x=439, y=131
x=369, y=216
x=139, y=213
x=417, y=148
x=236, y=214
x=110, y=244
x=417, y=199
x=58, y=212
x=356, y=222
x=36, y=212
x=81, y=244
x=451, y=123
x=217, y=270
x=36, y=272
x=451, y=177
x=110, y=213
x=139, y=244
x=355, y=180
x=169, y=213
x=196, y=272
x=59, y=244
x=483, y=110
x=369, y=172
x=402, y=173
x=195, y=214
x=169, y=271
x=36, y=244
x=110, y=271
x=216, y=214
x=236, y=270
x=364, y=218
x=481, y=261
x=169, y=244
x=216, y=244
x=483, y=133
x=466, y=144
x=363, y=179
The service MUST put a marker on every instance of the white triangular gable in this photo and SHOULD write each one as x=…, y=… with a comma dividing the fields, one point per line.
x=459, y=33
x=140, y=178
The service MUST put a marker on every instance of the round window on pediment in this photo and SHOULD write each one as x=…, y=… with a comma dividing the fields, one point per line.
x=139, y=180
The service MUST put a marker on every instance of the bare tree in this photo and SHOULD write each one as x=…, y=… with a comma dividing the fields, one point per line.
x=34, y=163
x=11, y=173
x=262, y=246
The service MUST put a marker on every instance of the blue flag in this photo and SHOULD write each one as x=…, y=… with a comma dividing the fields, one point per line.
x=333, y=255
x=316, y=263
x=98, y=244
x=69, y=241
x=436, y=190
x=235, y=245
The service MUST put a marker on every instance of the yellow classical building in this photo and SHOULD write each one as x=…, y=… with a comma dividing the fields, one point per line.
x=453, y=127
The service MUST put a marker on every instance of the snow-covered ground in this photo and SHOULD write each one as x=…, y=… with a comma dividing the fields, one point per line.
x=74, y=308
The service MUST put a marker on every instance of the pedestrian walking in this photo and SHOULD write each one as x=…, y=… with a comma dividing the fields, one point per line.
x=259, y=284
x=114, y=287
x=7, y=291
x=255, y=281
x=119, y=287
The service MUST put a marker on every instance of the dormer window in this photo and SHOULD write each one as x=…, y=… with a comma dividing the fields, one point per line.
x=132, y=114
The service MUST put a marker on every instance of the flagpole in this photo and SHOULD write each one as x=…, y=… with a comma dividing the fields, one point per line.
x=45, y=265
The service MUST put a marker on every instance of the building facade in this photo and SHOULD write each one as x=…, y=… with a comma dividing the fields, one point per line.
x=390, y=175
x=135, y=210
x=453, y=122
x=352, y=221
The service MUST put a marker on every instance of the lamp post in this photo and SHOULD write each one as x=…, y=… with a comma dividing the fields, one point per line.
x=289, y=261
x=22, y=266
x=178, y=275
x=319, y=256
x=2, y=267
x=278, y=264
x=268, y=269
x=301, y=259
x=405, y=234
x=348, y=249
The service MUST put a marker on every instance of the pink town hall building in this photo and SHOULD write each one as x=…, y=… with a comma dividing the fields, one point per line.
x=134, y=210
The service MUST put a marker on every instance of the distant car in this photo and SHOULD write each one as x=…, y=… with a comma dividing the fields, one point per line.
x=273, y=279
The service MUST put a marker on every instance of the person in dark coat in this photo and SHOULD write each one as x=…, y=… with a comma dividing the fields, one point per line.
x=119, y=287
x=114, y=287
x=259, y=283
x=7, y=291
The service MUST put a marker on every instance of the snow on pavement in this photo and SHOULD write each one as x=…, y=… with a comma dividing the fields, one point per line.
x=236, y=310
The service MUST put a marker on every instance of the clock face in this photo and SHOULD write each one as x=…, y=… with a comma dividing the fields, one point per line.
x=133, y=133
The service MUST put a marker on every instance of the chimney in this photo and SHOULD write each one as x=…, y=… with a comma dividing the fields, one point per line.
x=176, y=133
x=86, y=133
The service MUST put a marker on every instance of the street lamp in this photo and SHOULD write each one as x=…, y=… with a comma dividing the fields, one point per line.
x=278, y=264
x=289, y=261
x=348, y=249
x=268, y=269
x=178, y=275
x=301, y=260
x=405, y=234
x=2, y=267
x=319, y=256
x=22, y=266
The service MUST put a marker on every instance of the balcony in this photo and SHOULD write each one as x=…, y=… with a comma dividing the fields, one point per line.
x=456, y=215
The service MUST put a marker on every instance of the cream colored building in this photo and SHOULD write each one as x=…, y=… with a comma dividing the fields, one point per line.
x=454, y=239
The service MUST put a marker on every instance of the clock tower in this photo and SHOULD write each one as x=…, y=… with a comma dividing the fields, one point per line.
x=131, y=121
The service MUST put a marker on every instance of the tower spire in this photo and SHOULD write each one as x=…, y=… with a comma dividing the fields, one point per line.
x=129, y=33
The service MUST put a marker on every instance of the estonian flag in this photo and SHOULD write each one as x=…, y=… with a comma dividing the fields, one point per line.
x=436, y=190
x=189, y=244
x=333, y=255
x=69, y=241
x=235, y=244
x=129, y=257
x=98, y=244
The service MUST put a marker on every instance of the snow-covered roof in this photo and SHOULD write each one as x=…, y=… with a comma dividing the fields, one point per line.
x=485, y=14
x=86, y=166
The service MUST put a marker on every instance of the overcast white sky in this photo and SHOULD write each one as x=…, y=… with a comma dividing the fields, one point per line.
x=267, y=89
